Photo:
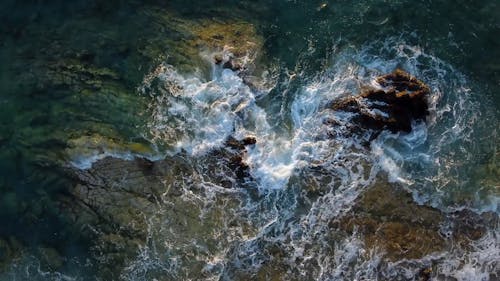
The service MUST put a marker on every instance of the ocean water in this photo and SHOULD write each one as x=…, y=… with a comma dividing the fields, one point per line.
x=87, y=80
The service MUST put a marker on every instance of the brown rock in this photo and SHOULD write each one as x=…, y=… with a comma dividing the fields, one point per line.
x=468, y=226
x=218, y=59
x=240, y=144
x=402, y=99
x=236, y=163
x=233, y=65
x=390, y=221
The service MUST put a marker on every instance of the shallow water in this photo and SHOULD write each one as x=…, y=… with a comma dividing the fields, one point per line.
x=84, y=81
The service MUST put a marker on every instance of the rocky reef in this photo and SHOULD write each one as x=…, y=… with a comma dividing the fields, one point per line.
x=116, y=199
x=9, y=250
x=72, y=93
x=390, y=221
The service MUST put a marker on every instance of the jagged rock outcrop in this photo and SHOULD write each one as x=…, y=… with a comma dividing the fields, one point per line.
x=399, y=101
x=236, y=162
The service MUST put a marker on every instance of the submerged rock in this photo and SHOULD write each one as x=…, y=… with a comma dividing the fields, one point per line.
x=401, y=99
x=231, y=43
x=123, y=205
x=10, y=249
x=113, y=200
x=50, y=259
x=239, y=40
x=392, y=222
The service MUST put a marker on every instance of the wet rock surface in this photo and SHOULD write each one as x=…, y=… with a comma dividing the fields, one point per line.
x=390, y=221
x=240, y=145
x=116, y=202
x=401, y=100
x=73, y=97
x=78, y=95
x=236, y=162
x=10, y=249
x=116, y=199
x=234, y=43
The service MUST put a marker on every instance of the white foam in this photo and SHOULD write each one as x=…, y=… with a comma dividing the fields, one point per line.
x=28, y=267
x=193, y=114
x=196, y=116
x=84, y=162
x=476, y=264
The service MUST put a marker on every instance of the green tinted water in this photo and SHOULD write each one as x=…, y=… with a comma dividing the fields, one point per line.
x=71, y=70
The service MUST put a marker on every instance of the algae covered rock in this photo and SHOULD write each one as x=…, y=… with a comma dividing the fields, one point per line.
x=232, y=42
x=235, y=44
x=50, y=259
x=391, y=221
x=82, y=150
x=120, y=204
x=10, y=249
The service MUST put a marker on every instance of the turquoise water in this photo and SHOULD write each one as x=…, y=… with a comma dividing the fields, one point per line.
x=80, y=81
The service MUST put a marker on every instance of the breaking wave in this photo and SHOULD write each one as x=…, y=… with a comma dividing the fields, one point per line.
x=309, y=173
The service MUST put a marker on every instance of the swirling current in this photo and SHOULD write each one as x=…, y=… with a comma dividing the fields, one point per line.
x=200, y=140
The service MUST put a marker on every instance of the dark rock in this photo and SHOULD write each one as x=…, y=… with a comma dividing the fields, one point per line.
x=146, y=165
x=118, y=203
x=233, y=143
x=239, y=167
x=112, y=200
x=218, y=59
x=249, y=141
x=236, y=163
x=402, y=99
x=10, y=249
x=469, y=226
x=50, y=259
x=85, y=56
x=425, y=274
x=240, y=144
x=218, y=37
x=232, y=64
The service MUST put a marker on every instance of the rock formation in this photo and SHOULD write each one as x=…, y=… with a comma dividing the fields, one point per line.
x=401, y=99
x=236, y=161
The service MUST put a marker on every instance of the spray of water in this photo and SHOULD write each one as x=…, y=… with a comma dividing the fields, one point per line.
x=310, y=173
